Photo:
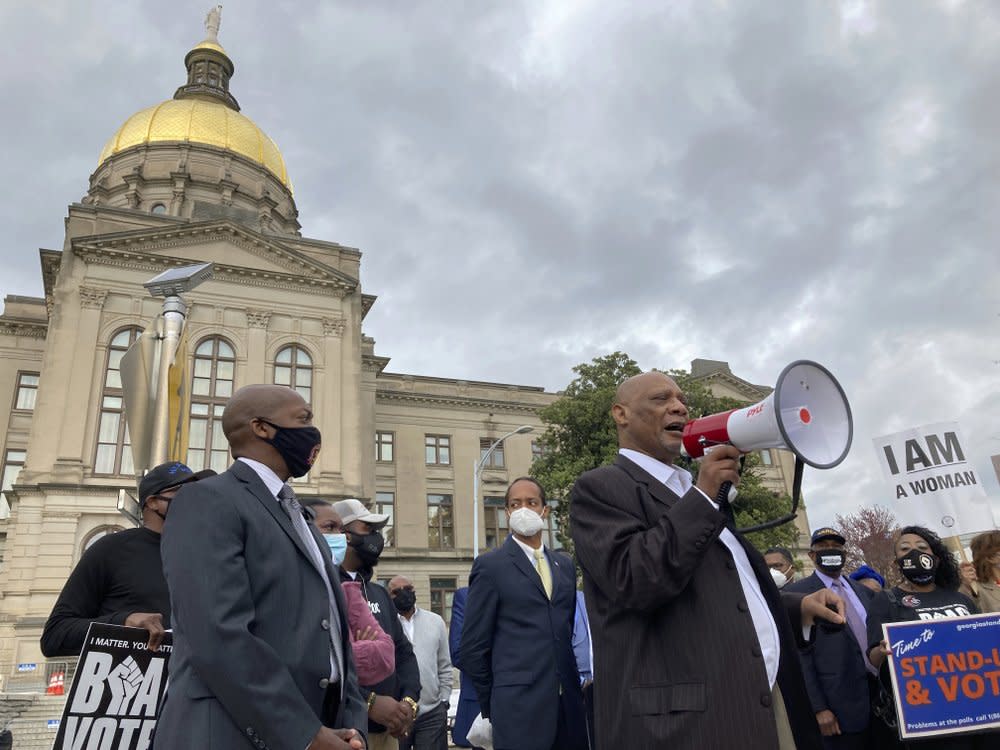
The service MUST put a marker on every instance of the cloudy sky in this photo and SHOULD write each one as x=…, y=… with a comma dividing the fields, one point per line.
x=537, y=183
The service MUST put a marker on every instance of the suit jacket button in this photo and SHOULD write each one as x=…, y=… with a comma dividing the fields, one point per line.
x=324, y=683
x=756, y=651
x=742, y=607
x=730, y=564
x=765, y=700
x=325, y=624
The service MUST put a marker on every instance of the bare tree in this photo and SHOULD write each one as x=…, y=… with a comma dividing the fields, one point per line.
x=869, y=534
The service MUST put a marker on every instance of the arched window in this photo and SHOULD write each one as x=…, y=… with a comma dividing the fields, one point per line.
x=99, y=533
x=294, y=367
x=211, y=387
x=113, y=454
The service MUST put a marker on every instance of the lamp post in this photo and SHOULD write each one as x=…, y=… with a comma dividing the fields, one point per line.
x=146, y=365
x=477, y=469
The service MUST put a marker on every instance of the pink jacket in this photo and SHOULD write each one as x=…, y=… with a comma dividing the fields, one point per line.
x=374, y=660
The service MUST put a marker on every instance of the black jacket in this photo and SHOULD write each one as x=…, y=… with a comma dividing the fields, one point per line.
x=406, y=680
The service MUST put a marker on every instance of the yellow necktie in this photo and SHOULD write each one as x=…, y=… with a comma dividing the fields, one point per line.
x=544, y=572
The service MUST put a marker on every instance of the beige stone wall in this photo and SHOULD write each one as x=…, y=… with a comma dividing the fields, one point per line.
x=262, y=298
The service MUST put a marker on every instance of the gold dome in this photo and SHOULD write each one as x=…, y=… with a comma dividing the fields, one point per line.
x=199, y=121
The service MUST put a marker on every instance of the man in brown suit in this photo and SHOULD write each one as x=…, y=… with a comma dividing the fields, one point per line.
x=694, y=647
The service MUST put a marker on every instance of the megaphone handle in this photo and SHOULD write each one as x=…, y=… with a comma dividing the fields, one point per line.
x=796, y=494
x=723, y=500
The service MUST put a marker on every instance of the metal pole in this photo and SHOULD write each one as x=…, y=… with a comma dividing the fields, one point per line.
x=174, y=311
x=475, y=509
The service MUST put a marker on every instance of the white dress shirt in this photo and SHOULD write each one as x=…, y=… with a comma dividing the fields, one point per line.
x=679, y=481
x=529, y=551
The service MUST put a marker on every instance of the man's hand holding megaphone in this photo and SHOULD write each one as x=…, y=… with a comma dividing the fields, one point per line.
x=721, y=464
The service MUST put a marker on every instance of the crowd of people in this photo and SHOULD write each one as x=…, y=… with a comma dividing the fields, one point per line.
x=683, y=636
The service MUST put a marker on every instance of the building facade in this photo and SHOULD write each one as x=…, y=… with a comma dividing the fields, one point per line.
x=193, y=180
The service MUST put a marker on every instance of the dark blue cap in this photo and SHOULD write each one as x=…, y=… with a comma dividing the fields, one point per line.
x=827, y=532
x=167, y=475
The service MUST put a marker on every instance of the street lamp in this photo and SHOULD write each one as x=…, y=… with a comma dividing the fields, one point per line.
x=476, y=471
x=146, y=366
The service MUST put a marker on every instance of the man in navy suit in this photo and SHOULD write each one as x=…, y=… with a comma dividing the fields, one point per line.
x=468, y=706
x=517, y=639
x=835, y=667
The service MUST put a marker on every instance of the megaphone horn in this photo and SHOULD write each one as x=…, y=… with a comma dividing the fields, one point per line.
x=807, y=413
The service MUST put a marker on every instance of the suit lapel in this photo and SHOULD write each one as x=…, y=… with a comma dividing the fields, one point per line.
x=521, y=562
x=556, y=570
x=256, y=487
x=656, y=488
x=814, y=583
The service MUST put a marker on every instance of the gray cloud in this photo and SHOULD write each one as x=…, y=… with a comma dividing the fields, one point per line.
x=535, y=184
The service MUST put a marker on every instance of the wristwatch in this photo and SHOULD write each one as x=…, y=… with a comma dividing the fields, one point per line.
x=371, y=699
x=413, y=705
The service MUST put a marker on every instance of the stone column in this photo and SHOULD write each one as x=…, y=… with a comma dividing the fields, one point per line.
x=65, y=389
x=256, y=369
x=333, y=426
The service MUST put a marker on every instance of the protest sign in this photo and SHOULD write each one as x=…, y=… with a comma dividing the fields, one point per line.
x=945, y=674
x=116, y=693
x=933, y=482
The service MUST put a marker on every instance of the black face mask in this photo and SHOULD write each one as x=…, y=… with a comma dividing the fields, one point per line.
x=367, y=546
x=918, y=567
x=404, y=601
x=830, y=561
x=299, y=446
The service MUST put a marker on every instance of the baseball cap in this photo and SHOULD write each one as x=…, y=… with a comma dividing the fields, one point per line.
x=827, y=532
x=167, y=475
x=353, y=509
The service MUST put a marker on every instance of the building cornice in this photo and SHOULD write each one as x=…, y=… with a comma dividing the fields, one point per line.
x=459, y=402
x=751, y=391
x=137, y=249
x=371, y=363
x=253, y=277
x=367, y=301
x=31, y=329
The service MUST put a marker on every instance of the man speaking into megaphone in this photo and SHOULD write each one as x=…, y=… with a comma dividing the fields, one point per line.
x=694, y=646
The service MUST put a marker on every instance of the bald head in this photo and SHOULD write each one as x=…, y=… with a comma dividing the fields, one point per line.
x=398, y=582
x=252, y=419
x=254, y=401
x=649, y=414
x=635, y=385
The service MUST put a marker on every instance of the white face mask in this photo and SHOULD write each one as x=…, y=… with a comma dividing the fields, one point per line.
x=779, y=578
x=525, y=522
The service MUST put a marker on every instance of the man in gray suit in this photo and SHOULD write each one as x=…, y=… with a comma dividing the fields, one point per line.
x=261, y=643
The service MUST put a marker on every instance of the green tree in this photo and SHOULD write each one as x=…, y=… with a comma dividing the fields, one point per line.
x=580, y=435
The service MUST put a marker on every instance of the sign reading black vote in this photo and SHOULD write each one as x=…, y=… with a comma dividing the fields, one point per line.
x=115, y=696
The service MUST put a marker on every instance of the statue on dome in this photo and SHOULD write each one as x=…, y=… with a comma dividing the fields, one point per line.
x=212, y=22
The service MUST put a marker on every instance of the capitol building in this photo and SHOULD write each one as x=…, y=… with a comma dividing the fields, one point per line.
x=189, y=180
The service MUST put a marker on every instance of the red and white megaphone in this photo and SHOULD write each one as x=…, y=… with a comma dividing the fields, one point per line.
x=807, y=413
